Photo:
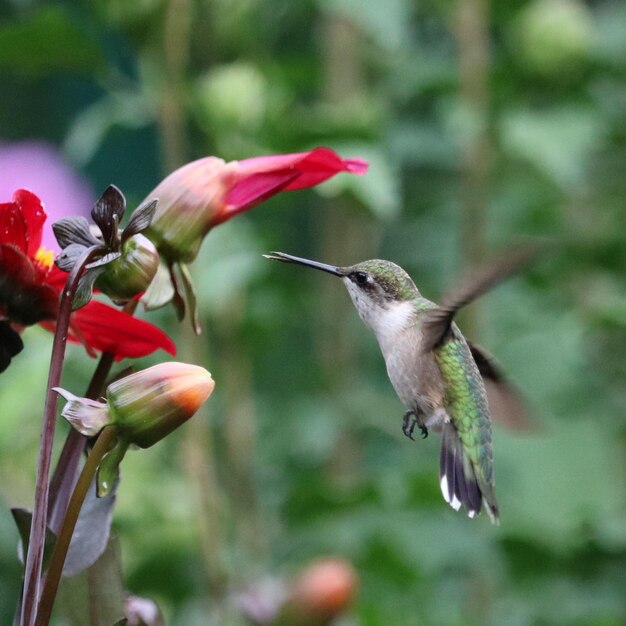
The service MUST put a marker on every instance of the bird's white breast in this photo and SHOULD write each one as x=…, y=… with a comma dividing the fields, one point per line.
x=388, y=322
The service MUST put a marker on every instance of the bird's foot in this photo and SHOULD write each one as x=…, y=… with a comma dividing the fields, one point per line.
x=409, y=422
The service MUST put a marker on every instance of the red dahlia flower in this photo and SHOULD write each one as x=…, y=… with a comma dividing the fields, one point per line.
x=30, y=286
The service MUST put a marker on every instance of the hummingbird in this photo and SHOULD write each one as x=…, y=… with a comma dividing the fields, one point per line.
x=436, y=373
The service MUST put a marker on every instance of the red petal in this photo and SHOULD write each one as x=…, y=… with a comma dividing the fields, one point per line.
x=261, y=177
x=16, y=269
x=106, y=329
x=13, y=226
x=34, y=216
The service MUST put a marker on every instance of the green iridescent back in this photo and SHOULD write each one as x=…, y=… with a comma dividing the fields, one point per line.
x=466, y=404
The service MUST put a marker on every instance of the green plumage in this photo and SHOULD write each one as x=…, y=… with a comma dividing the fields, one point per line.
x=466, y=405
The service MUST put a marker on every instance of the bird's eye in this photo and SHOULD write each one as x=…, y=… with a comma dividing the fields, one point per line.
x=360, y=278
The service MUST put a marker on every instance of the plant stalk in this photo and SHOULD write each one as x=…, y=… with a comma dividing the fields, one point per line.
x=66, y=470
x=64, y=475
x=53, y=577
x=34, y=557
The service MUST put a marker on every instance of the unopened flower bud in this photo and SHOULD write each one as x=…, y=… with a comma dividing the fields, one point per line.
x=131, y=273
x=202, y=194
x=190, y=199
x=209, y=191
x=150, y=404
x=321, y=592
x=144, y=407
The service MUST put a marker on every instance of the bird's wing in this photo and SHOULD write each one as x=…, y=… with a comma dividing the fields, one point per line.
x=439, y=320
x=505, y=402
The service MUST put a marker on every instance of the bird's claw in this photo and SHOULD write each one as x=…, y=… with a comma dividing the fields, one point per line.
x=408, y=426
x=409, y=422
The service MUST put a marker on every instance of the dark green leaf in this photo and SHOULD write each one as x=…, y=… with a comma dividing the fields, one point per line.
x=84, y=292
x=107, y=213
x=108, y=473
x=91, y=533
x=140, y=219
x=23, y=519
x=68, y=258
x=73, y=230
x=104, y=260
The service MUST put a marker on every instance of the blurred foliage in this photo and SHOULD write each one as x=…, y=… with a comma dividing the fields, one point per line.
x=300, y=452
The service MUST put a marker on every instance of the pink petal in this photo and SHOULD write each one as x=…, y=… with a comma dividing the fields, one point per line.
x=261, y=177
x=252, y=190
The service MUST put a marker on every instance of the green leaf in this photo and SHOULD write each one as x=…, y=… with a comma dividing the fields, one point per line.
x=84, y=291
x=23, y=519
x=190, y=297
x=92, y=531
x=140, y=219
x=48, y=40
x=108, y=473
x=161, y=289
x=559, y=142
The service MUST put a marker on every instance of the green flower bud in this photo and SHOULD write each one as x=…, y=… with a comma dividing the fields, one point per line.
x=144, y=407
x=131, y=273
x=150, y=404
x=191, y=201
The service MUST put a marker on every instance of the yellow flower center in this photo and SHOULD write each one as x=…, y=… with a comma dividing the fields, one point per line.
x=44, y=258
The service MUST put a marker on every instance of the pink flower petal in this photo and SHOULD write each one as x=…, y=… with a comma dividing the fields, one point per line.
x=252, y=190
x=262, y=177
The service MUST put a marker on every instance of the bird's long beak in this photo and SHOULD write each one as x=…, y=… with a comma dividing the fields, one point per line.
x=288, y=258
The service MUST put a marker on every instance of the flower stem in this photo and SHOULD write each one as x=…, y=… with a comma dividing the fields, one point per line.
x=66, y=470
x=34, y=557
x=64, y=475
x=102, y=445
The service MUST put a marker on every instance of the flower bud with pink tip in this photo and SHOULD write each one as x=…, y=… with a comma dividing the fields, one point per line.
x=209, y=191
x=144, y=407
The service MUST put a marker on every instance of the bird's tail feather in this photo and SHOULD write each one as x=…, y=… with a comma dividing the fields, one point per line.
x=457, y=478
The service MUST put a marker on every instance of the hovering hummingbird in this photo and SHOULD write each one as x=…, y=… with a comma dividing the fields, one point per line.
x=436, y=373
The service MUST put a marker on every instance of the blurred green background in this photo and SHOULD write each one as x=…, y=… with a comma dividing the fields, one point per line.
x=482, y=121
